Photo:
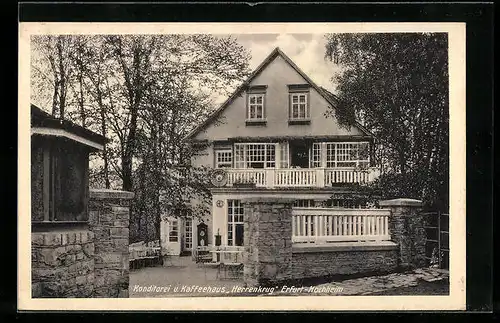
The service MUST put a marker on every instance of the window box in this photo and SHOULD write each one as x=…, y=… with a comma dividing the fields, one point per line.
x=256, y=122
x=299, y=121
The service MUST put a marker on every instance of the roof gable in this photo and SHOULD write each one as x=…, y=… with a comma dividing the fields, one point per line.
x=328, y=96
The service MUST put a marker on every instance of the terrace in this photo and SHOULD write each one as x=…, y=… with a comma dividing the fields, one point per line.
x=296, y=164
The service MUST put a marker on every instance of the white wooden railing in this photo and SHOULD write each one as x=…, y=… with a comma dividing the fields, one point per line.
x=324, y=225
x=256, y=176
x=348, y=175
x=289, y=177
x=299, y=177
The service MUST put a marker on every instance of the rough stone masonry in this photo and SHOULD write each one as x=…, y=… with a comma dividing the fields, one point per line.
x=109, y=221
x=89, y=261
x=271, y=257
x=62, y=263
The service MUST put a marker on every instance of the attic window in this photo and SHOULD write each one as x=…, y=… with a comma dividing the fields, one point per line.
x=256, y=110
x=298, y=103
x=299, y=106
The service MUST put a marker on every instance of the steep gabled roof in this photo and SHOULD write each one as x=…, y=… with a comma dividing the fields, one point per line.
x=328, y=96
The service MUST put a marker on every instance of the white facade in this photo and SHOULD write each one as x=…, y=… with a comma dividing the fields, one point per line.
x=274, y=140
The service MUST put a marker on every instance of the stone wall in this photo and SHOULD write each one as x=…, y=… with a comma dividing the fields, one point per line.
x=335, y=260
x=90, y=260
x=109, y=221
x=270, y=256
x=62, y=263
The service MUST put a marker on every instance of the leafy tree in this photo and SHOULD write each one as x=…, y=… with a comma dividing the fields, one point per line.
x=396, y=85
x=145, y=93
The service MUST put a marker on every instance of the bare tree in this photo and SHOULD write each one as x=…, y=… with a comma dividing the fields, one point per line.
x=54, y=67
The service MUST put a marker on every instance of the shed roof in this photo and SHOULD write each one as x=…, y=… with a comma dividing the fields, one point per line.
x=42, y=123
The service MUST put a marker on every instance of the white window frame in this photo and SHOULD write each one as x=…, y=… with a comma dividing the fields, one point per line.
x=305, y=105
x=225, y=162
x=173, y=226
x=233, y=219
x=316, y=155
x=335, y=153
x=188, y=234
x=243, y=160
x=255, y=105
x=284, y=160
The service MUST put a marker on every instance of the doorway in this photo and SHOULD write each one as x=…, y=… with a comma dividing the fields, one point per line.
x=299, y=154
x=188, y=235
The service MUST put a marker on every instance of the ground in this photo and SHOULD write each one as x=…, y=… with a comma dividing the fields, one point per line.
x=180, y=277
x=183, y=273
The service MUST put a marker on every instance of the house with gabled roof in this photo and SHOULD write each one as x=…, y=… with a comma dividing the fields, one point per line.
x=272, y=138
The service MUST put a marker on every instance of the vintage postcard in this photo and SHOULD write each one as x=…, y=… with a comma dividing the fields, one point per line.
x=241, y=166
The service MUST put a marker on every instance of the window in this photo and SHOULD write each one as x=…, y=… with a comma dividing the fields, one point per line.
x=223, y=158
x=188, y=234
x=256, y=107
x=340, y=154
x=173, y=234
x=235, y=223
x=285, y=156
x=255, y=155
x=331, y=158
x=316, y=155
x=298, y=106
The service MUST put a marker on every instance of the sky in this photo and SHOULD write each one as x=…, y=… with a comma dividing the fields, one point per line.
x=305, y=50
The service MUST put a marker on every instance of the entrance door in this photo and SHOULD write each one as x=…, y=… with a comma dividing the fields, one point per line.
x=235, y=223
x=188, y=234
x=299, y=153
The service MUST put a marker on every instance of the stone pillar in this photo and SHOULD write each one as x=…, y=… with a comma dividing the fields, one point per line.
x=267, y=240
x=406, y=226
x=109, y=213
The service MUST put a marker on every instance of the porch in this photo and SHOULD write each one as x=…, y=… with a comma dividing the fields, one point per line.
x=295, y=163
x=299, y=177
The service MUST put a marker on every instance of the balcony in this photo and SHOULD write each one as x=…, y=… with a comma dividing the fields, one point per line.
x=300, y=177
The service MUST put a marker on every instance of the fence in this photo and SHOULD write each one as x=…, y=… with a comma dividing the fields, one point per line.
x=325, y=225
x=437, y=249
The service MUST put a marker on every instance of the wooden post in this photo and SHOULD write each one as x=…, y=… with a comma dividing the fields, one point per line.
x=439, y=238
x=270, y=173
x=46, y=183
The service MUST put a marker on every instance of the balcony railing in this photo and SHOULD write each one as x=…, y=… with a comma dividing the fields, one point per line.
x=323, y=225
x=300, y=177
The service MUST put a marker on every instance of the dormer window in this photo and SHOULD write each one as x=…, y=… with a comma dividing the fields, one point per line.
x=256, y=105
x=298, y=104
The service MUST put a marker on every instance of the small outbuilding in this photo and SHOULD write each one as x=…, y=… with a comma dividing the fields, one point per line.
x=60, y=168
